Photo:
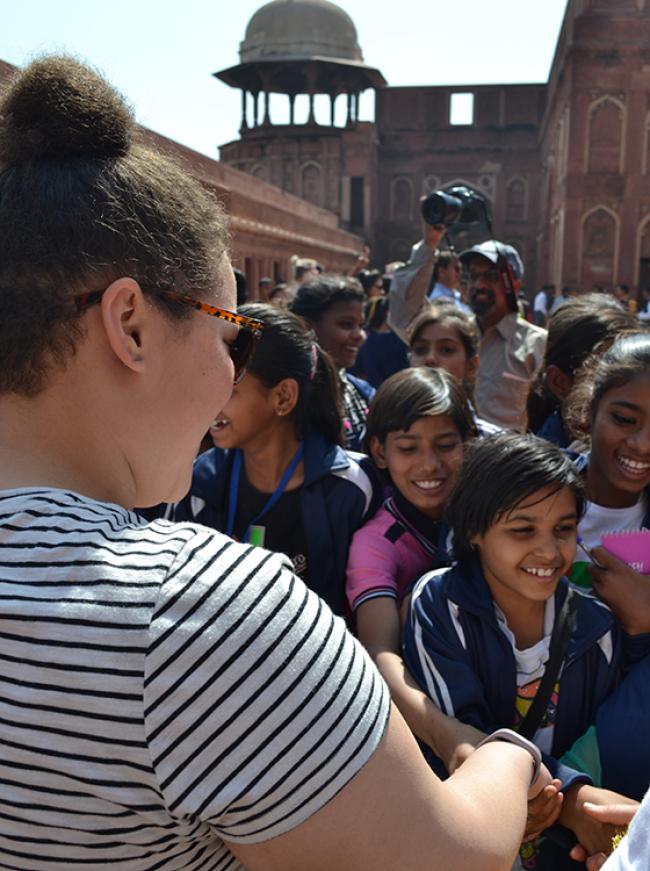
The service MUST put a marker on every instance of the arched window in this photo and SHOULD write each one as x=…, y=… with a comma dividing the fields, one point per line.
x=515, y=200
x=599, y=260
x=605, y=136
x=311, y=188
x=401, y=199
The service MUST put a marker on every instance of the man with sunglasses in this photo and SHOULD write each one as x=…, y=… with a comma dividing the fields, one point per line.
x=512, y=349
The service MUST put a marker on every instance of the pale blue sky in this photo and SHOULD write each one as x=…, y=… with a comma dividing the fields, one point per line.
x=161, y=54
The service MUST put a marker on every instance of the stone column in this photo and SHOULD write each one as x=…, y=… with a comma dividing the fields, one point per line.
x=332, y=102
x=349, y=118
x=244, y=106
x=311, y=119
x=292, y=101
x=255, y=108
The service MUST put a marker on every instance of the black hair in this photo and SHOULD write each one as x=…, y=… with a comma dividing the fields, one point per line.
x=369, y=277
x=288, y=350
x=626, y=359
x=375, y=313
x=499, y=473
x=276, y=289
x=82, y=203
x=242, y=287
x=444, y=260
x=575, y=330
x=411, y=394
x=313, y=298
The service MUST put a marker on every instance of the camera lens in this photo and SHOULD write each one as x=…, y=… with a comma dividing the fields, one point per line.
x=439, y=207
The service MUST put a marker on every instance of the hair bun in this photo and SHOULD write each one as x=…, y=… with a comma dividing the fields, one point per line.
x=59, y=108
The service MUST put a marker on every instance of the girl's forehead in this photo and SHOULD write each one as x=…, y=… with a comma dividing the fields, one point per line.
x=438, y=330
x=550, y=499
x=636, y=391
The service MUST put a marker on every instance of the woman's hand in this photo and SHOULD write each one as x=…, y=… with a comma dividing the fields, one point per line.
x=626, y=591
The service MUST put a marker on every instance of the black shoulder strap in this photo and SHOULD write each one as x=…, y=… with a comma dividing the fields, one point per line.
x=560, y=636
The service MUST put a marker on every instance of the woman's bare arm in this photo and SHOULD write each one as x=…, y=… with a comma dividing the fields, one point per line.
x=395, y=813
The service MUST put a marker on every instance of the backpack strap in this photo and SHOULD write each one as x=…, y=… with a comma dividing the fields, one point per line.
x=562, y=630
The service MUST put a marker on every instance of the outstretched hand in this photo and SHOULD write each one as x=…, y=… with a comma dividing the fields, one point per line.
x=544, y=806
x=613, y=814
x=626, y=591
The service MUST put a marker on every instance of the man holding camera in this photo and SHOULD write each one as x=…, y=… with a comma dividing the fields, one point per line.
x=511, y=349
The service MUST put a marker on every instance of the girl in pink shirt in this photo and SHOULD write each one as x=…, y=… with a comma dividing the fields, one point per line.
x=416, y=427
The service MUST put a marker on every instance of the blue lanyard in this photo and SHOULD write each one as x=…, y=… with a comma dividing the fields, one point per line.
x=279, y=490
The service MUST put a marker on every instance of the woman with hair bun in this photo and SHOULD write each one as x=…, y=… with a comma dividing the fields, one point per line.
x=168, y=697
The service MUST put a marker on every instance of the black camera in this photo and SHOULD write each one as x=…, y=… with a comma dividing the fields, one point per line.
x=462, y=211
x=458, y=205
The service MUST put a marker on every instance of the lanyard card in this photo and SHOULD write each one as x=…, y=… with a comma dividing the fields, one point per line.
x=257, y=535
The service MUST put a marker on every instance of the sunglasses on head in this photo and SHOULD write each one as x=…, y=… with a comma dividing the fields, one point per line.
x=241, y=348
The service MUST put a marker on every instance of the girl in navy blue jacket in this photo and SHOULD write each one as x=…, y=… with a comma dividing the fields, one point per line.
x=478, y=635
x=278, y=476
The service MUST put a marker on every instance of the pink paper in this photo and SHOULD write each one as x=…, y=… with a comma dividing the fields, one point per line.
x=631, y=547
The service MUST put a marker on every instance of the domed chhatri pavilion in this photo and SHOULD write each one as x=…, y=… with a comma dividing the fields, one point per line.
x=564, y=165
x=300, y=47
x=305, y=47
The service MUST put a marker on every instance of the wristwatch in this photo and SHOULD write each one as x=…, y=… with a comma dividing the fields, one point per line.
x=515, y=738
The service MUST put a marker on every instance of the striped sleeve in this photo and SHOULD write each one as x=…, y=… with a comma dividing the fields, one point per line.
x=259, y=705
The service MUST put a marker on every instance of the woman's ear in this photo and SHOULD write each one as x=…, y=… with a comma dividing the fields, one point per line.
x=378, y=453
x=285, y=396
x=124, y=313
x=558, y=382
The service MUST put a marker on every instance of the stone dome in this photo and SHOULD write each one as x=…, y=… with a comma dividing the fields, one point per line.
x=300, y=29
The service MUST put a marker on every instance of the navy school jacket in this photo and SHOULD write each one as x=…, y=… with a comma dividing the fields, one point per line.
x=340, y=492
x=460, y=657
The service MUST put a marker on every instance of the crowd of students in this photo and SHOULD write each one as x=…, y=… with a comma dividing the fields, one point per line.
x=179, y=687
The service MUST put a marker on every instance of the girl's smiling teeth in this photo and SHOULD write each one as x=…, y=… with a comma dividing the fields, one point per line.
x=636, y=467
x=540, y=572
x=429, y=485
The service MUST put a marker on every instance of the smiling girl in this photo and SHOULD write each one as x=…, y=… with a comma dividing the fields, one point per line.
x=479, y=635
x=277, y=476
x=333, y=307
x=610, y=407
x=417, y=426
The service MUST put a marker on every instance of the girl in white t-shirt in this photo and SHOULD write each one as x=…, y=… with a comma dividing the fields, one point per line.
x=611, y=408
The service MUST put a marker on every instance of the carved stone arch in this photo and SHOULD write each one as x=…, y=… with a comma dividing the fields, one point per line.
x=599, y=243
x=260, y=171
x=311, y=183
x=401, y=199
x=642, y=246
x=645, y=158
x=605, y=146
x=516, y=199
x=430, y=183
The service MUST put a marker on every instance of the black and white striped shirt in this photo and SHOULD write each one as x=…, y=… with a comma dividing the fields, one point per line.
x=163, y=688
